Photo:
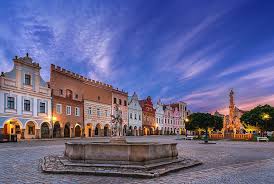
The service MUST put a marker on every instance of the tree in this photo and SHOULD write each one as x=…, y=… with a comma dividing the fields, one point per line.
x=204, y=121
x=218, y=122
x=261, y=117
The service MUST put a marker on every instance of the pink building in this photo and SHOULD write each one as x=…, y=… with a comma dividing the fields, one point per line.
x=177, y=125
x=168, y=120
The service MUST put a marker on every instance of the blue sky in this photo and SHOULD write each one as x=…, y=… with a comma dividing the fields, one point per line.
x=193, y=51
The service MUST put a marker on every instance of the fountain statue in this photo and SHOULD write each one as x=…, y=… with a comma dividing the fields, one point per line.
x=117, y=126
x=117, y=122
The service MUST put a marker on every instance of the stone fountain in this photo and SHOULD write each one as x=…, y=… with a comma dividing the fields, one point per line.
x=117, y=157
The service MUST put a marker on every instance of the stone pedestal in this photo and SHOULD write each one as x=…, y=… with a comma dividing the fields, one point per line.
x=118, y=151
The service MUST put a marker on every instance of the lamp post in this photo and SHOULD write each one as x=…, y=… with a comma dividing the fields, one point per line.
x=186, y=120
x=265, y=118
x=53, y=119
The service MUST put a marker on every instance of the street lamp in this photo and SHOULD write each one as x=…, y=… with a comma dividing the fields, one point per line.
x=53, y=119
x=265, y=116
x=186, y=120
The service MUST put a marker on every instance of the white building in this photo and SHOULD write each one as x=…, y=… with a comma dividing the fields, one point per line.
x=134, y=115
x=25, y=101
x=159, y=115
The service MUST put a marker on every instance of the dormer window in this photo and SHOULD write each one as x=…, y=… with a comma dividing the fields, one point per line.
x=60, y=92
x=76, y=96
x=99, y=98
x=27, y=79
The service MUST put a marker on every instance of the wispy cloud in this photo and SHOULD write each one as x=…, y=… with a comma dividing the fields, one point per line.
x=250, y=64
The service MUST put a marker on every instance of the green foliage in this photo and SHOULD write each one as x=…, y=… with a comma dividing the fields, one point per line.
x=218, y=122
x=204, y=121
x=260, y=116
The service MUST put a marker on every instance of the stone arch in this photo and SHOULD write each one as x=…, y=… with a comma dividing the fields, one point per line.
x=130, y=130
x=89, y=130
x=97, y=130
x=145, y=130
x=125, y=130
x=151, y=131
x=106, y=130
x=30, y=130
x=57, y=130
x=67, y=130
x=45, y=130
x=13, y=126
x=157, y=131
x=34, y=122
x=135, y=131
x=140, y=131
x=77, y=130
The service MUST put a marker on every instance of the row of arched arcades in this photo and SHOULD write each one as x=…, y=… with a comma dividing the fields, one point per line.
x=32, y=130
x=105, y=130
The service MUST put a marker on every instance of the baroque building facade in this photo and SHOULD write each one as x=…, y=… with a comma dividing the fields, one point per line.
x=134, y=116
x=97, y=108
x=87, y=101
x=181, y=112
x=168, y=120
x=25, y=101
x=148, y=111
x=159, y=115
x=67, y=103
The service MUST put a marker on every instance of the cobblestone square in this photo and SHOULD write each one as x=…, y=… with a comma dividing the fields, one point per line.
x=223, y=162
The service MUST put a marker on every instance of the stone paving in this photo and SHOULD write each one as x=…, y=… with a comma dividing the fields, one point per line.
x=224, y=162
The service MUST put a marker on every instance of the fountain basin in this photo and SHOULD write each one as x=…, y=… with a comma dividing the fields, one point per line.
x=120, y=153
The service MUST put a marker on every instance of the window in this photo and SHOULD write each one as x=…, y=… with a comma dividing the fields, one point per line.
x=89, y=111
x=59, y=108
x=99, y=98
x=77, y=111
x=125, y=103
x=115, y=100
x=61, y=92
x=11, y=102
x=120, y=102
x=26, y=105
x=130, y=115
x=135, y=116
x=31, y=130
x=68, y=110
x=98, y=112
x=68, y=93
x=27, y=79
x=76, y=96
x=139, y=117
x=106, y=111
x=42, y=107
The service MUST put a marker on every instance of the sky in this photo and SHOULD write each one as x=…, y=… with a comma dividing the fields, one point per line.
x=191, y=51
